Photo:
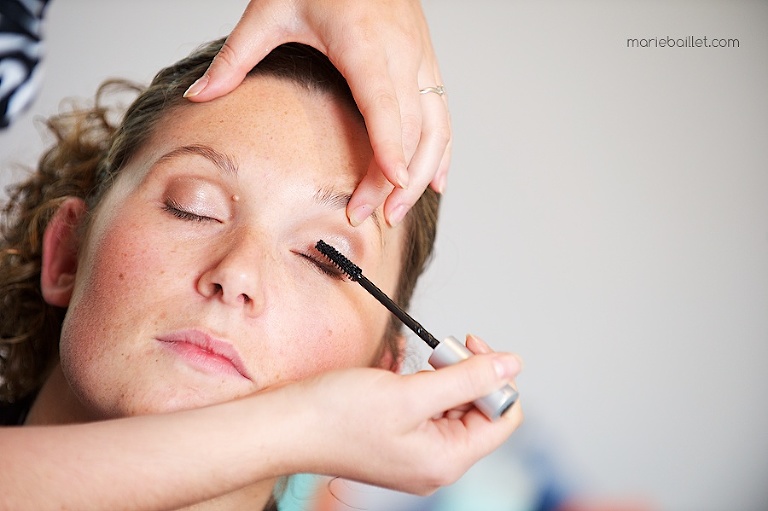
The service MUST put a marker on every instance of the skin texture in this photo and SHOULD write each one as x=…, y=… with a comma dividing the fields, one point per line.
x=210, y=232
x=180, y=243
x=384, y=50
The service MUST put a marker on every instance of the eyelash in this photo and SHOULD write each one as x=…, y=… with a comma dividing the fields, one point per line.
x=175, y=209
x=326, y=268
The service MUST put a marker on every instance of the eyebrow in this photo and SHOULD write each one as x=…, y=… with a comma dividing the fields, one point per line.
x=223, y=162
x=338, y=200
x=325, y=196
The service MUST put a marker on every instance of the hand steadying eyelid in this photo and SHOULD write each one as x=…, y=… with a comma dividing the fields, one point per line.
x=358, y=241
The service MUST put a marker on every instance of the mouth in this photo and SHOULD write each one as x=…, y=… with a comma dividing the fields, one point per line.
x=205, y=353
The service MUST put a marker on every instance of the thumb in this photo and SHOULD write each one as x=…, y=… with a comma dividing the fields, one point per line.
x=256, y=34
x=462, y=383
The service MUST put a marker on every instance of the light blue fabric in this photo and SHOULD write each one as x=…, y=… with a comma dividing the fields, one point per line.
x=300, y=493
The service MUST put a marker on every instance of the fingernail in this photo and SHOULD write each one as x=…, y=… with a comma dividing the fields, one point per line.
x=397, y=215
x=483, y=345
x=359, y=214
x=197, y=87
x=506, y=366
x=402, y=177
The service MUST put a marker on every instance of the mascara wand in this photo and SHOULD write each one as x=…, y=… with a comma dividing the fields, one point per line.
x=448, y=352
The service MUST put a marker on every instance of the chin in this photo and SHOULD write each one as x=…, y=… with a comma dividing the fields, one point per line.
x=114, y=402
x=169, y=400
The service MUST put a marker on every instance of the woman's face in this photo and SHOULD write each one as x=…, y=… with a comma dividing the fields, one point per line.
x=198, y=281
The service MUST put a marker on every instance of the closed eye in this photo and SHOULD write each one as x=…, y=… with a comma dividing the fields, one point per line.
x=178, y=211
x=322, y=265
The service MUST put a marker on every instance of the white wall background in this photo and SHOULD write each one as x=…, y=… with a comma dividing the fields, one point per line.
x=606, y=217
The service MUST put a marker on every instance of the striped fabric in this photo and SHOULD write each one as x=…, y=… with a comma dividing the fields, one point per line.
x=21, y=41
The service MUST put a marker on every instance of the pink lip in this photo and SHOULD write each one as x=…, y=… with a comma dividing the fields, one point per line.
x=205, y=352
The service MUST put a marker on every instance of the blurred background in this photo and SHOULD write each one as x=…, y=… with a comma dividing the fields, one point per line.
x=606, y=217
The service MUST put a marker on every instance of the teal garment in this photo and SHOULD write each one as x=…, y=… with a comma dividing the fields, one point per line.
x=299, y=492
x=523, y=474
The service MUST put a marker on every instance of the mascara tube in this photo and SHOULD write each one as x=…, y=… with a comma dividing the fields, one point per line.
x=451, y=351
x=445, y=353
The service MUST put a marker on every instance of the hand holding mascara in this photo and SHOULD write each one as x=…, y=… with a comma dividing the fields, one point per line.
x=448, y=352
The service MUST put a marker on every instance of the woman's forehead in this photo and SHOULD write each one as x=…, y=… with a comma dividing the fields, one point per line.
x=308, y=147
x=273, y=120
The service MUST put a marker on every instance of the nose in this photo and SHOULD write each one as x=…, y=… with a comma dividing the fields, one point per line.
x=235, y=276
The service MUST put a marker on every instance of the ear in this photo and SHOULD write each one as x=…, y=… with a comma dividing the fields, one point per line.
x=60, y=245
x=392, y=355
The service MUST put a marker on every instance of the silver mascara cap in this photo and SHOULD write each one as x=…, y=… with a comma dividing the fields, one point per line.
x=452, y=351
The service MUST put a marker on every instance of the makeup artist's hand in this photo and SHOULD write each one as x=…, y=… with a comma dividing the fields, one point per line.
x=384, y=51
x=411, y=433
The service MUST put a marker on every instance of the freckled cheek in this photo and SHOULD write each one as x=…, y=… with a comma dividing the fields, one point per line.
x=127, y=261
x=343, y=340
x=114, y=287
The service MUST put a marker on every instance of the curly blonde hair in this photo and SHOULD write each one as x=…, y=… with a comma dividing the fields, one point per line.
x=27, y=323
x=89, y=151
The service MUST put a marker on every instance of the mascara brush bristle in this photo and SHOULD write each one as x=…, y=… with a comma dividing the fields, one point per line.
x=351, y=269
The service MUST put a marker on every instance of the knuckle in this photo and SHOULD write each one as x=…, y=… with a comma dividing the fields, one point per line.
x=378, y=187
x=382, y=99
x=411, y=127
x=227, y=56
x=442, y=134
x=473, y=382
